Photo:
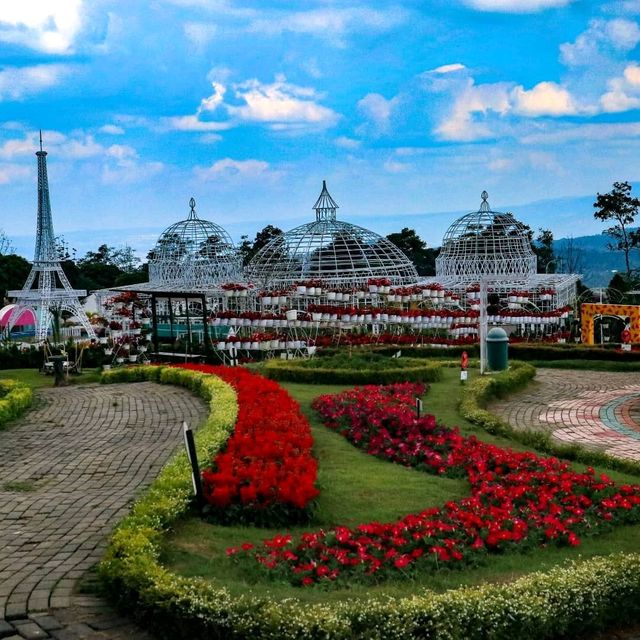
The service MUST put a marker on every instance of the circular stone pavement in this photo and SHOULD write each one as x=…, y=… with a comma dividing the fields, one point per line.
x=69, y=471
x=591, y=408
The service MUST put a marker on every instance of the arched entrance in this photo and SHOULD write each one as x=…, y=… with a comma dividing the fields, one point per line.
x=593, y=314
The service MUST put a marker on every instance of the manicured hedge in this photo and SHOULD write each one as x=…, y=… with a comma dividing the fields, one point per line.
x=356, y=370
x=530, y=351
x=15, y=399
x=568, y=601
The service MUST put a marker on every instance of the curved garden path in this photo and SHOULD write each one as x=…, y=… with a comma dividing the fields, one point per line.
x=592, y=408
x=69, y=471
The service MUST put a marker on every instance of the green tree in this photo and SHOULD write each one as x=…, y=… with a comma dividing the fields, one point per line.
x=13, y=273
x=248, y=249
x=415, y=248
x=620, y=208
x=543, y=248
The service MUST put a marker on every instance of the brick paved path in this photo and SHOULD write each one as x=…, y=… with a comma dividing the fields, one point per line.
x=68, y=472
x=592, y=408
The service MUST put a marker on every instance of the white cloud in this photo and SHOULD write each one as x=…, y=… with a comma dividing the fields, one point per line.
x=393, y=166
x=624, y=91
x=378, y=111
x=118, y=163
x=111, y=129
x=18, y=82
x=229, y=168
x=597, y=132
x=200, y=34
x=10, y=172
x=50, y=26
x=545, y=99
x=462, y=123
x=448, y=68
x=515, y=6
x=602, y=38
x=347, y=143
x=282, y=104
x=331, y=24
x=193, y=123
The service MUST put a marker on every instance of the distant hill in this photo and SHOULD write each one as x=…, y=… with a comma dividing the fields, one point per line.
x=591, y=257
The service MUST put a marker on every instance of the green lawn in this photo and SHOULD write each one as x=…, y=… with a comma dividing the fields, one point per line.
x=358, y=488
x=37, y=380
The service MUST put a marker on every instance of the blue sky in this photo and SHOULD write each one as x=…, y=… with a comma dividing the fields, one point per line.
x=409, y=109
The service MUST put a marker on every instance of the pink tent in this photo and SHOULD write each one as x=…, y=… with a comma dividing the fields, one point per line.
x=26, y=318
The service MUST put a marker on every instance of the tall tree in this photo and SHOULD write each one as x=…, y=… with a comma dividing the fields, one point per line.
x=543, y=248
x=6, y=246
x=248, y=249
x=415, y=248
x=620, y=208
x=571, y=256
x=13, y=273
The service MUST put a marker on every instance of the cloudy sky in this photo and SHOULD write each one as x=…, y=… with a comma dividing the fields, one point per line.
x=409, y=109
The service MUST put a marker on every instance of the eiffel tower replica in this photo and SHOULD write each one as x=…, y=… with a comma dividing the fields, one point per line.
x=47, y=291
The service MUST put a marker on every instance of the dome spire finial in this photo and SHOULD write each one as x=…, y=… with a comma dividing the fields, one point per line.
x=192, y=205
x=484, y=205
x=325, y=205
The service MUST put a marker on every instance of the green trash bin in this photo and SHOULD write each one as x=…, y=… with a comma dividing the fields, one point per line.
x=497, y=349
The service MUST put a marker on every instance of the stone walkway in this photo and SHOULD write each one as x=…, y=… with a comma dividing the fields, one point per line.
x=69, y=471
x=592, y=408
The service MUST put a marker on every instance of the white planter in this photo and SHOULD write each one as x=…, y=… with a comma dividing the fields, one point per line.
x=292, y=314
x=360, y=295
x=373, y=288
x=316, y=317
x=441, y=294
x=221, y=346
x=301, y=289
x=255, y=345
x=311, y=291
x=106, y=367
x=119, y=360
x=332, y=295
x=274, y=344
x=133, y=358
x=142, y=349
x=103, y=340
x=265, y=299
x=108, y=352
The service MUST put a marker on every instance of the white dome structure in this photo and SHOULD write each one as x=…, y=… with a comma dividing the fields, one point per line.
x=486, y=243
x=336, y=252
x=193, y=254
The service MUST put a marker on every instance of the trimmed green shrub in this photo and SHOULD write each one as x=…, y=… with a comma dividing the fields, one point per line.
x=15, y=399
x=567, y=601
x=343, y=368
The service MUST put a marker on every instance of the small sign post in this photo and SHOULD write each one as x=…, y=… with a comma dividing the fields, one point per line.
x=190, y=446
x=418, y=408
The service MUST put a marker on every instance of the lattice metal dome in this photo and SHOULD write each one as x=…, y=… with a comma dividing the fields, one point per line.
x=486, y=243
x=193, y=254
x=338, y=253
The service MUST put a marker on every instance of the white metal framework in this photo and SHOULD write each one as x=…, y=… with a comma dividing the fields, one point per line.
x=486, y=243
x=338, y=253
x=47, y=291
x=193, y=254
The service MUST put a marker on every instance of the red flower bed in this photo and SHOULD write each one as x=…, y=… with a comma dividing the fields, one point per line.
x=518, y=499
x=266, y=474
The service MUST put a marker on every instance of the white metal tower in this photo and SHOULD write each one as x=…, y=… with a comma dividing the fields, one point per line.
x=47, y=290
